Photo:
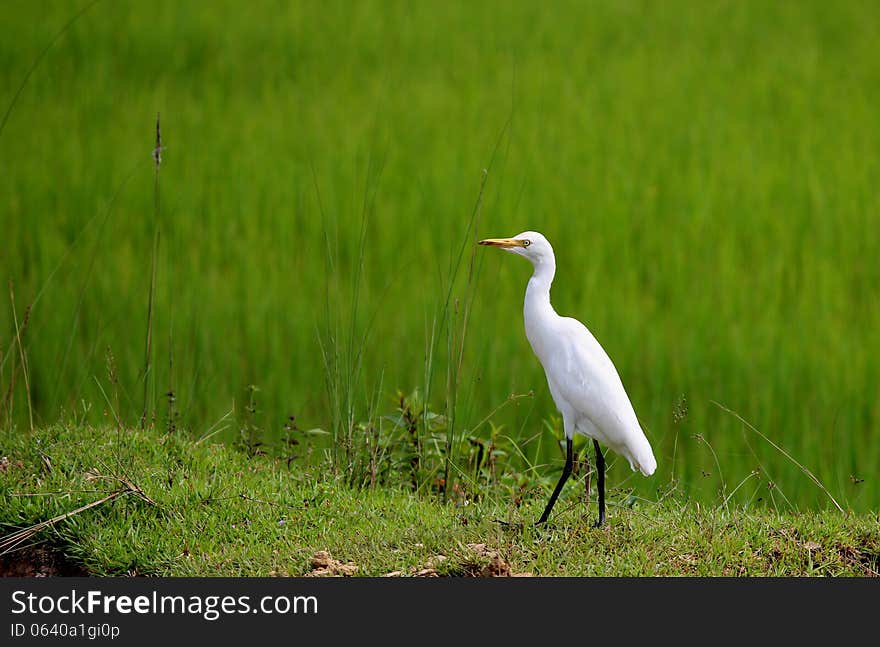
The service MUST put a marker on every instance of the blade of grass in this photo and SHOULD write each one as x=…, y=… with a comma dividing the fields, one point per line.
x=148, y=350
x=39, y=59
x=22, y=355
x=783, y=452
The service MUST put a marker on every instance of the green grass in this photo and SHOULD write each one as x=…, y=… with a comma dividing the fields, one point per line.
x=214, y=511
x=707, y=172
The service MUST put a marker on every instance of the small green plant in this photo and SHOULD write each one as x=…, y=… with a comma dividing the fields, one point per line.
x=250, y=435
x=290, y=440
x=172, y=415
x=415, y=438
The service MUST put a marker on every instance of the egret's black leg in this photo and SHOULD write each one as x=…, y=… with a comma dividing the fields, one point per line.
x=600, y=470
x=566, y=472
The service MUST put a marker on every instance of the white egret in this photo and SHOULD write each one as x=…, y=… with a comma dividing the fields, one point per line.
x=583, y=381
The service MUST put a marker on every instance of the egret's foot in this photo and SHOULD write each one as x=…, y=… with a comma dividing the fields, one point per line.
x=599, y=522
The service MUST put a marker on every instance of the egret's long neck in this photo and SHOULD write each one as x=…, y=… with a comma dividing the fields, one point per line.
x=537, y=310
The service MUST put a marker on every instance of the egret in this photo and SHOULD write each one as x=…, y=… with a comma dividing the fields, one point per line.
x=584, y=384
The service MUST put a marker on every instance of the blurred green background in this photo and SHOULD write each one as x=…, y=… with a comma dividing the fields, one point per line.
x=708, y=173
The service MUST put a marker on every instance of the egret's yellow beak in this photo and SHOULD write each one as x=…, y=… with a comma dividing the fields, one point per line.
x=503, y=242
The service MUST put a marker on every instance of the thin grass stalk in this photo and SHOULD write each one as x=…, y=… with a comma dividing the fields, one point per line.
x=2, y=370
x=148, y=344
x=342, y=354
x=326, y=343
x=468, y=302
x=703, y=440
x=354, y=364
x=171, y=422
x=60, y=373
x=453, y=367
x=39, y=59
x=329, y=341
x=113, y=376
x=21, y=353
x=7, y=405
x=446, y=319
x=13, y=540
x=350, y=369
x=784, y=453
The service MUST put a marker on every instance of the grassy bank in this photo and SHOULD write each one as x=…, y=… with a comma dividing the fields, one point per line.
x=204, y=509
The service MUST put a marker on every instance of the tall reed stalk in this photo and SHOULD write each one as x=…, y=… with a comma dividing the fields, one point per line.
x=148, y=342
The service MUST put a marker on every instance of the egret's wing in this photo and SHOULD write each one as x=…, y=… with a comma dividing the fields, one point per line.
x=583, y=374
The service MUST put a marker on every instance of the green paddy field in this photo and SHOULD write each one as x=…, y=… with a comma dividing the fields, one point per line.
x=708, y=172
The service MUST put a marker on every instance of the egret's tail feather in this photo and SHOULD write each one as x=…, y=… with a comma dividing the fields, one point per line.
x=642, y=458
x=648, y=466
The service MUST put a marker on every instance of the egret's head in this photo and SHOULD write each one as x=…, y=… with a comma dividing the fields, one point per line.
x=530, y=244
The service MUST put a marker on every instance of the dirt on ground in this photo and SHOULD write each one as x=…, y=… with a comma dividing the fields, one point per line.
x=39, y=562
x=323, y=565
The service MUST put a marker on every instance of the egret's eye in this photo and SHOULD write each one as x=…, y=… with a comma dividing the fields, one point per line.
x=526, y=243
